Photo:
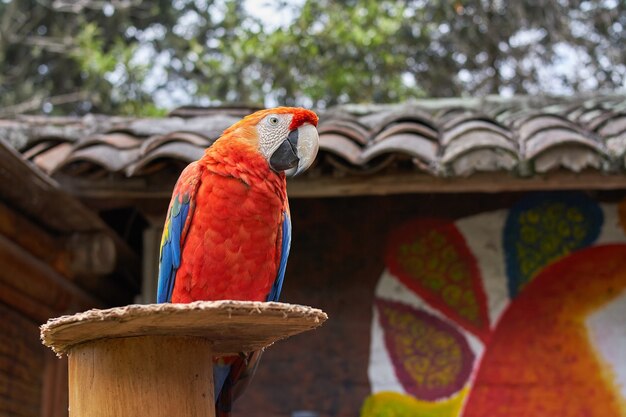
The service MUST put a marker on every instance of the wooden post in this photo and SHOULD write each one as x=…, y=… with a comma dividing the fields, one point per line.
x=157, y=376
x=156, y=359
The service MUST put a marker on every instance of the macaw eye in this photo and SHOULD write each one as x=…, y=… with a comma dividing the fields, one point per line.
x=273, y=120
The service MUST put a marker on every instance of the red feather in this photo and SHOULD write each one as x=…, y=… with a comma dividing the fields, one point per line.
x=302, y=116
x=231, y=250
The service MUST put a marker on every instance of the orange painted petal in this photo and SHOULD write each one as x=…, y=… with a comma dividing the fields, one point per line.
x=540, y=361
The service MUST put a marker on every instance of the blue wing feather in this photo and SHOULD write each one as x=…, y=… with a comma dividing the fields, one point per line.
x=284, y=254
x=166, y=275
x=220, y=373
x=178, y=221
x=170, y=252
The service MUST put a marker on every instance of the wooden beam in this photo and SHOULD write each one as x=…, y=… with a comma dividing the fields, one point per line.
x=34, y=239
x=54, y=401
x=21, y=363
x=40, y=197
x=421, y=183
x=35, y=289
x=110, y=193
x=73, y=255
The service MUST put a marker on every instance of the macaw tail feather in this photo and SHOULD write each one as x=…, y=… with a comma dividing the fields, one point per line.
x=238, y=379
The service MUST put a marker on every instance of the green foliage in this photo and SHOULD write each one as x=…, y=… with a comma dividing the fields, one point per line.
x=140, y=57
x=70, y=57
x=335, y=52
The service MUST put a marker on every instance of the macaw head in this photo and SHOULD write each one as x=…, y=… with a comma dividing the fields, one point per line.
x=285, y=136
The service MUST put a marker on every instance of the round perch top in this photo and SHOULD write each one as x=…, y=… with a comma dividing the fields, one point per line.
x=233, y=326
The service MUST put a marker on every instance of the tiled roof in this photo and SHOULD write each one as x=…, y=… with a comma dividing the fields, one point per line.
x=442, y=138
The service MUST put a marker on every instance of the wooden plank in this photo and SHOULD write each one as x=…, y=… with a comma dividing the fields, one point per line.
x=420, y=183
x=25, y=377
x=20, y=372
x=19, y=385
x=21, y=302
x=34, y=239
x=15, y=407
x=40, y=197
x=31, y=286
x=54, y=402
x=7, y=328
x=124, y=193
x=78, y=254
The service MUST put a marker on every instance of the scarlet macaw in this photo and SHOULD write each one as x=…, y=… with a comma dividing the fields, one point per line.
x=228, y=232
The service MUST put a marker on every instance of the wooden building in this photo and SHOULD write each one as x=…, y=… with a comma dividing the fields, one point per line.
x=56, y=257
x=469, y=253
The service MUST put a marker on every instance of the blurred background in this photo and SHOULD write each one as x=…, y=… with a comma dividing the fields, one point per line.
x=147, y=57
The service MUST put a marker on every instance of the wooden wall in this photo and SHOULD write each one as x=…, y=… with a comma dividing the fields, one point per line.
x=33, y=381
x=56, y=257
x=21, y=362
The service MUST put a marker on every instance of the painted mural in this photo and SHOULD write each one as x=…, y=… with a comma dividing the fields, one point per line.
x=518, y=312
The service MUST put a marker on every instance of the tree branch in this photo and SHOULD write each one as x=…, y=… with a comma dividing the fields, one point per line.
x=37, y=101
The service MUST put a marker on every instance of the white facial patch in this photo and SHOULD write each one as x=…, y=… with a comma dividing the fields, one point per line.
x=272, y=131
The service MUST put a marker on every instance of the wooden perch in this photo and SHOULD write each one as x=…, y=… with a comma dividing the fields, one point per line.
x=155, y=359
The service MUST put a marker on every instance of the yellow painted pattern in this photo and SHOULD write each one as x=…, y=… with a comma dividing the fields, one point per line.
x=394, y=404
x=432, y=357
x=546, y=234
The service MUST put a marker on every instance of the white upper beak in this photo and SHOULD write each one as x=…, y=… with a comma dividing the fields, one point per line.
x=308, y=145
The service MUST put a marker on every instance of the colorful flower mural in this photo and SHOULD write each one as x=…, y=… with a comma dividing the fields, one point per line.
x=394, y=404
x=431, y=257
x=536, y=324
x=541, y=359
x=545, y=227
x=431, y=358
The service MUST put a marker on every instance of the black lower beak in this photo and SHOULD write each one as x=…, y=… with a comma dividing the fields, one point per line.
x=286, y=156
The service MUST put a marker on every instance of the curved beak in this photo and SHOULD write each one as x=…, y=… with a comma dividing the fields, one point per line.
x=308, y=145
x=297, y=152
